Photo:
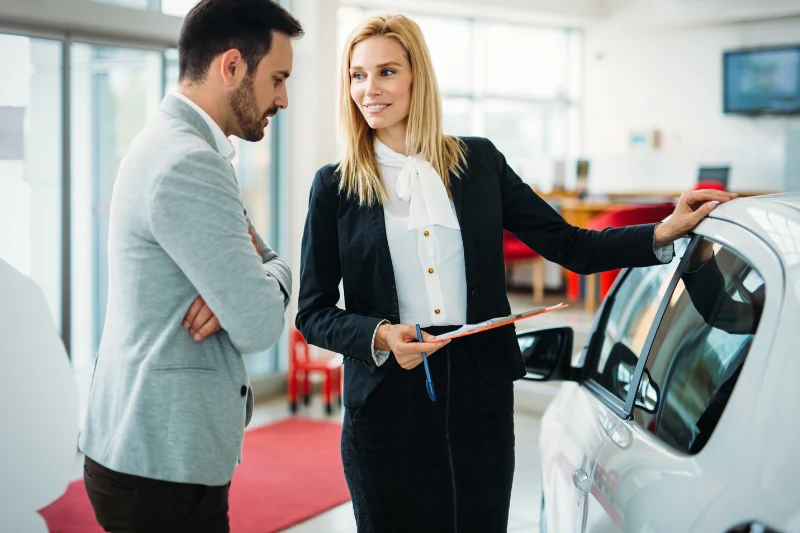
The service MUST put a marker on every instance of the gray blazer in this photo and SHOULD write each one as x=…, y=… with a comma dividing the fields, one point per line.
x=161, y=405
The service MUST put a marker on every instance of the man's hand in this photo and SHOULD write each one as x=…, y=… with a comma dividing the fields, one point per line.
x=401, y=340
x=252, y=233
x=200, y=320
x=692, y=207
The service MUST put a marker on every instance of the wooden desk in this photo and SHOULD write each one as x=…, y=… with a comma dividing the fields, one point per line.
x=580, y=212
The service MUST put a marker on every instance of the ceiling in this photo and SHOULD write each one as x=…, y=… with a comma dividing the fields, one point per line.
x=603, y=12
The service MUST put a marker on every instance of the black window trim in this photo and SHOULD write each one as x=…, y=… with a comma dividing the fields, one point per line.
x=662, y=307
x=625, y=409
x=605, y=396
x=612, y=402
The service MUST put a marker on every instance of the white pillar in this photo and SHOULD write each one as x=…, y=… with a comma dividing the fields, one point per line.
x=311, y=114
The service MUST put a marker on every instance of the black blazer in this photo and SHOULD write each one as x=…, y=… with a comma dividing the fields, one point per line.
x=345, y=242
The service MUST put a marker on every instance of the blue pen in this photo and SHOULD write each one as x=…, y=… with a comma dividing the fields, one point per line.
x=428, y=380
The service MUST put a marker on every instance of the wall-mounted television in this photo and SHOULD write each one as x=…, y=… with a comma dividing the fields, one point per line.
x=762, y=81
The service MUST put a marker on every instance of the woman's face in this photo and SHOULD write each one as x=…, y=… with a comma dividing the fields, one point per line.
x=380, y=82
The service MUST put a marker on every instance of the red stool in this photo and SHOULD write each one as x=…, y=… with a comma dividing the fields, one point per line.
x=301, y=365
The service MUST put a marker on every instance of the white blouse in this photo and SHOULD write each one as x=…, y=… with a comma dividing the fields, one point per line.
x=424, y=242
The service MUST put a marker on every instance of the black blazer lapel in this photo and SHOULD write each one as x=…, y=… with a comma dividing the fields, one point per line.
x=465, y=220
x=378, y=222
x=457, y=190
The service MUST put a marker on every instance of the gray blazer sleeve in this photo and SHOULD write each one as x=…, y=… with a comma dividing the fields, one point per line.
x=274, y=266
x=197, y=217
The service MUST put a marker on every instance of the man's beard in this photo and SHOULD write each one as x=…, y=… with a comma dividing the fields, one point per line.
x=245, y=110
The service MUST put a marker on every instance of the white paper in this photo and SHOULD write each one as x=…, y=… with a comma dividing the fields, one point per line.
x=12, y=133
x=499, y=320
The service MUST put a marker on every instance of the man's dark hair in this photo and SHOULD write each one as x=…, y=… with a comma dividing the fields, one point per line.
x=213, y=27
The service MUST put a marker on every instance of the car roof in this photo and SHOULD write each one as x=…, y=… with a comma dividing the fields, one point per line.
x=775, y=218
x=791, y=199
x=729, y=210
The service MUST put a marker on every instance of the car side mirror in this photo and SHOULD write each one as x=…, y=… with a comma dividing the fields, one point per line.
x=547, y=354
x=648, y=394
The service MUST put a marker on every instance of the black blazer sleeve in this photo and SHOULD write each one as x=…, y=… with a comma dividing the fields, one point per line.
x=318, y=319
x=539, y=226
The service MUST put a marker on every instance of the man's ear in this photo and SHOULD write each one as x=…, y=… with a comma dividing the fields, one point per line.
x=233, y=67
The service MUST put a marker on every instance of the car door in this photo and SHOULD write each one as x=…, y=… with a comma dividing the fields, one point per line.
x=660, y=468
x=573, y=440
x=582, y=418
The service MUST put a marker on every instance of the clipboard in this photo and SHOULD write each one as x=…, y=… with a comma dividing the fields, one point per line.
x=471, y=329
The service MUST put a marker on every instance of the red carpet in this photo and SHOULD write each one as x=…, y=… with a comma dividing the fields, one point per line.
x=291, y=471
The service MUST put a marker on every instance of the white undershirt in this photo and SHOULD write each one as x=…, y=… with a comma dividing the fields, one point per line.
x=425, y=244
x=428, y=261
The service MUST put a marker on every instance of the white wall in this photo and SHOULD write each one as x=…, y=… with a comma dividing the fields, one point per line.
x=671, y=80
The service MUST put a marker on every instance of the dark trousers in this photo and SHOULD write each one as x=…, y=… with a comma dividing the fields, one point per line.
x=124, y=503
x=432, y=467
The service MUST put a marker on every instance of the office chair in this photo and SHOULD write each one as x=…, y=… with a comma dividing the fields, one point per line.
x=301, y=365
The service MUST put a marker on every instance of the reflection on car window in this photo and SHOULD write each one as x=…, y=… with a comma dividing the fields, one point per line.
x=629, y=319
x=701, y=345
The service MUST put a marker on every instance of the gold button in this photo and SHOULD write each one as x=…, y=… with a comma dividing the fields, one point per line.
x=436, y=311
x=430, y=271
x=427, y=233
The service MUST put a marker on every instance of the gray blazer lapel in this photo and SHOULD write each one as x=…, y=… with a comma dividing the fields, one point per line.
x=183, y=111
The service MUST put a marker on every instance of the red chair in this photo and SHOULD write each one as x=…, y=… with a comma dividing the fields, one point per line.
x=715, y=177
x=514, y=251
x=710, y=184
x=617, y=218
x=301, y=365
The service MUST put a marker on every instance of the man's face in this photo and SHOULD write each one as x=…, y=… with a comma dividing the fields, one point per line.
x=262, y=92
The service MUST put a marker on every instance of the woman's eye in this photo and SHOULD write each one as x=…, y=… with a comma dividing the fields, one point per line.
x=357, y=76
x=387, y=72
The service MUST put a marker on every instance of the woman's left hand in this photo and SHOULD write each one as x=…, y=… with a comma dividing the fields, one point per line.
x=693, y=206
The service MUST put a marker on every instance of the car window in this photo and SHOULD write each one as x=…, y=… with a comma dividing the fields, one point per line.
x=623, y=334
x=700, y=347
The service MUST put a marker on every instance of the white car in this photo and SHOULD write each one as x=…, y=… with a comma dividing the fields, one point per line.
x=682, y=411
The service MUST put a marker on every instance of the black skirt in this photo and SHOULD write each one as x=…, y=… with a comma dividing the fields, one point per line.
x=413, y=465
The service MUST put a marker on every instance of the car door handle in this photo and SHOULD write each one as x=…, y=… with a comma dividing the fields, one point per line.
x=580, y=478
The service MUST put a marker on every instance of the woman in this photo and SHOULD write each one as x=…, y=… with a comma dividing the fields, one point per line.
x=412, y=222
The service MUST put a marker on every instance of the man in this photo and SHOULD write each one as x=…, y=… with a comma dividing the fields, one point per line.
x=188, y=295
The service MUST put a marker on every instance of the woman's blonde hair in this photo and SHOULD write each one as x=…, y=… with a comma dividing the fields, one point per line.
x=361, y=177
